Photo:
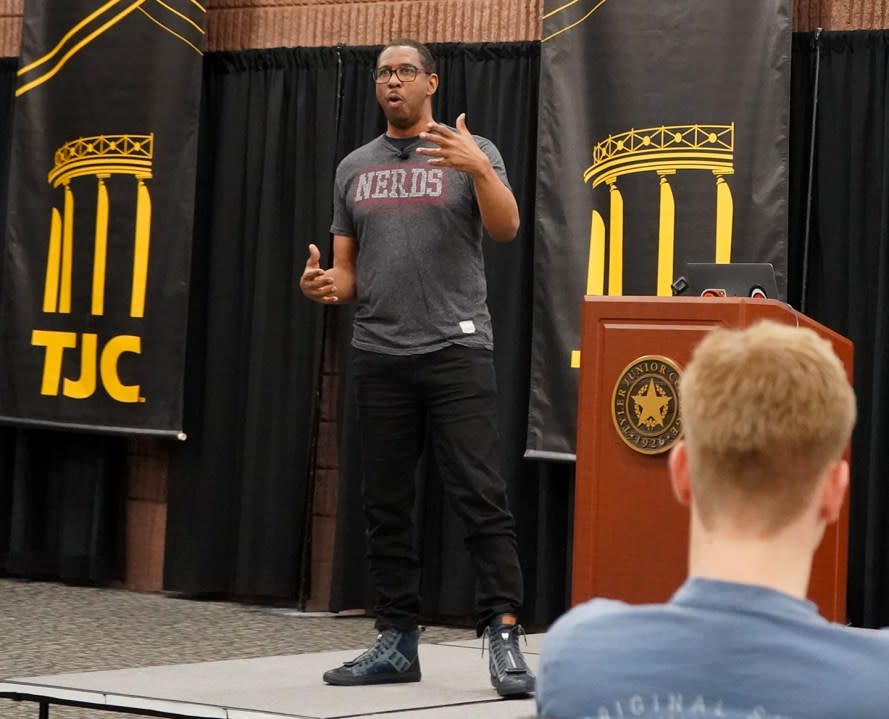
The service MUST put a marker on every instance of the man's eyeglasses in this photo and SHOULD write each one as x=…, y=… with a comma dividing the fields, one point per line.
x=405, y=73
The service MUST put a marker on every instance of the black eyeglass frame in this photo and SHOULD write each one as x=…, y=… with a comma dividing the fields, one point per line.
x=377, y=73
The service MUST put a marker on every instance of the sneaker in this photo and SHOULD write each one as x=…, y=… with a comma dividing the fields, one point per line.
x=392, y=658
x=510, y=675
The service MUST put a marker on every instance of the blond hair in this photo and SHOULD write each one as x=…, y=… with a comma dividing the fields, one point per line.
x=765, y=411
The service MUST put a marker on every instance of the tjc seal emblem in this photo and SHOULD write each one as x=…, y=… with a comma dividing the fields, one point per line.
x=645, y=404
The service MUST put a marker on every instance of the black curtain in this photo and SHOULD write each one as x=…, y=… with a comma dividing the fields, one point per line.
x=63, y=494
x=8, y=67
x=240, y=485
x=496, y=86
x=848, y=268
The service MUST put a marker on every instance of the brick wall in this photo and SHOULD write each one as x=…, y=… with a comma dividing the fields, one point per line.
x=146, y=512
x=10, y=27
x=840, y=14
x=241, y=24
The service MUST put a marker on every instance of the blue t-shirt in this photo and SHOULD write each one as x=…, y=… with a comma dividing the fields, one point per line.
x=716, y=649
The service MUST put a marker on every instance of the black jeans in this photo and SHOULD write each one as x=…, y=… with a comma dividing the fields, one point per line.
x=453, y=393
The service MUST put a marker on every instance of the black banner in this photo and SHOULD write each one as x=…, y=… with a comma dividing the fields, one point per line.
x=98, y=234
x=663, y=140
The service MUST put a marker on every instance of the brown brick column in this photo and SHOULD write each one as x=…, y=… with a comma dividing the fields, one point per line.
x=325, y=491
x=148, y=463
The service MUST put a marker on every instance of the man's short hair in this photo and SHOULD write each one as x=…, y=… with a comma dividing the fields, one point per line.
x=765, y=411
x=426, y=59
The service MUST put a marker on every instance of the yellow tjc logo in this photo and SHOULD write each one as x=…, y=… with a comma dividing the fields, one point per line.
x=93, y=364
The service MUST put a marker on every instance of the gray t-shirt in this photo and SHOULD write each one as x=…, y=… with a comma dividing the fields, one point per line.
x=420, y=275
x=717, y=649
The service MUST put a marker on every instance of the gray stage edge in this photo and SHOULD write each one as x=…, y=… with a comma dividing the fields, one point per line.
x=455, y=685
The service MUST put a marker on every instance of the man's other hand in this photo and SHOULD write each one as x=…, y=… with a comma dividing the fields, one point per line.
x=317, y=283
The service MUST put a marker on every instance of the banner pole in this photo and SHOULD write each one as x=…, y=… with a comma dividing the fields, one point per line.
x=806, y=236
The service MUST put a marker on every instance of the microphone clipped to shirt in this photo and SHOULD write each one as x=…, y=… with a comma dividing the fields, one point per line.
x=402, y=146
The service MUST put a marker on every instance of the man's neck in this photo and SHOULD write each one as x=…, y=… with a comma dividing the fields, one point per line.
x=783, y=563
x=412, y=131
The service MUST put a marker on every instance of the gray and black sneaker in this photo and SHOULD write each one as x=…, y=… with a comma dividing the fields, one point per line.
x=392, y=658
x=510, y=675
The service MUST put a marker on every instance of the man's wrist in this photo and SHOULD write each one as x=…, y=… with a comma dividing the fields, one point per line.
x=486, y=171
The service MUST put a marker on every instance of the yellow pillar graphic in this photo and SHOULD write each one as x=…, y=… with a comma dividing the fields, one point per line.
x=67, y=252
x=53, y=264
x=595, y=277
x=616, y=242
x=100, y=253
x=666, y=237
x=141, y=249
x=100, y=157
x=725, y=209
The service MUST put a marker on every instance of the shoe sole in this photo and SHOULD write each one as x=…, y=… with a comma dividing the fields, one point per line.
x=523, y=694
x=512, y=693
x=365, y=681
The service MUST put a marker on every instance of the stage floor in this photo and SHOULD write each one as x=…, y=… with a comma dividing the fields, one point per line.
x=455, y=685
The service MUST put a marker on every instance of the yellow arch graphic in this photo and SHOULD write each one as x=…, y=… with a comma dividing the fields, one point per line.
x=105, y=154
x=665, y=147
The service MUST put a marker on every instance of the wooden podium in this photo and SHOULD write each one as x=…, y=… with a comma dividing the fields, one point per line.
x=630, y=534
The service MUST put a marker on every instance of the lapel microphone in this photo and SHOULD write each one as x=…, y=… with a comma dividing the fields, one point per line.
x=402, y=150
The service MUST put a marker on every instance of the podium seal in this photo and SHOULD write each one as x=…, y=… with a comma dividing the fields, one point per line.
x=645, y=404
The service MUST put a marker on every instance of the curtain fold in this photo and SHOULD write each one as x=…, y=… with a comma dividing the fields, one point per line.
x=8, y=67
x=67, y=493
x=802, y=100
x=239, y=486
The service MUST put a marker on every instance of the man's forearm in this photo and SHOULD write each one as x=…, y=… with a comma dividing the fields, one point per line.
x=497, y=205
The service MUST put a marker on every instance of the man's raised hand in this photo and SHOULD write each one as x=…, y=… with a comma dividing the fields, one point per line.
x=455, y=149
